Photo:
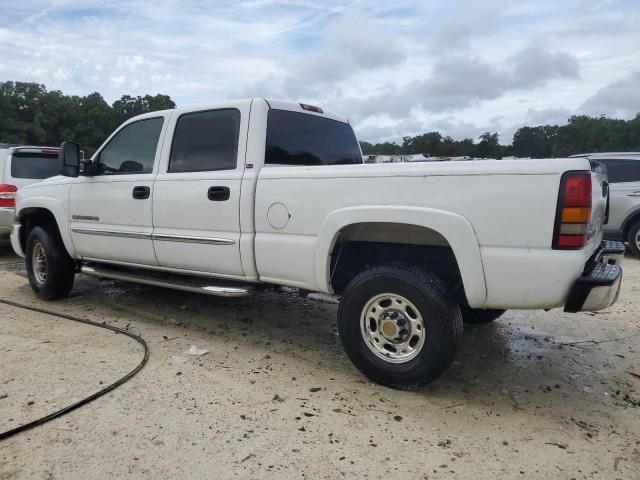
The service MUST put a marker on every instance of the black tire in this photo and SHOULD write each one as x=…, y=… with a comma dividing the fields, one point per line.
x=478, y=316
x=633, y=239
x=441, y=319
x=59, y=267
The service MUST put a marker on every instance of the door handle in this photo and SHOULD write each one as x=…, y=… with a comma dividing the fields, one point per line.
x=218, y=194
x=141, y=193
x=633, y=194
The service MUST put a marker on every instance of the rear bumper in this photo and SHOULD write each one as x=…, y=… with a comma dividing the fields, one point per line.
x=15, y=239
x=7, y=218
x=599, y=286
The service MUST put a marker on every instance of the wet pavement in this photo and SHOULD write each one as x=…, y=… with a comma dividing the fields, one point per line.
x=534, y=395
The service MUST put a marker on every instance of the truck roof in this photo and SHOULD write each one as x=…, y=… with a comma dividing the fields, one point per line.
x=273, y=103
x=33, y=148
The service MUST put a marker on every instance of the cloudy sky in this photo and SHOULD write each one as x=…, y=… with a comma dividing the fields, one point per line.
x=394, y=67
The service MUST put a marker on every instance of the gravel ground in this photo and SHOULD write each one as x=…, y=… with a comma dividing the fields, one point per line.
x=534, y=395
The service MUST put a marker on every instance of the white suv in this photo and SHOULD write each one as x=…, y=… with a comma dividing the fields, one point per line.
x=19, y=167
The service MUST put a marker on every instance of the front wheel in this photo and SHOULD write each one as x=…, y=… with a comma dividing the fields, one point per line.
x=399, y=326
x=50, y=269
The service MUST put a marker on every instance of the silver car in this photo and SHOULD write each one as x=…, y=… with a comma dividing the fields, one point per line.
x=624, y=187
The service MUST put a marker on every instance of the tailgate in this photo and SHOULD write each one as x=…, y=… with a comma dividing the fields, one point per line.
x=600, y=205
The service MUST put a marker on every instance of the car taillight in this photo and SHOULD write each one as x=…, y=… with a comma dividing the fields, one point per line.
x=8, y=195
x=574, y=211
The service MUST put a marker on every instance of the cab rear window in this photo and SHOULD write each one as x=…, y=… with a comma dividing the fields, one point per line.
x=35, y=166
x=295, y=138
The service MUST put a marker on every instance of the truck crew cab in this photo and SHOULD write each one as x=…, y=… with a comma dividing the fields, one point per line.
x=225, y=198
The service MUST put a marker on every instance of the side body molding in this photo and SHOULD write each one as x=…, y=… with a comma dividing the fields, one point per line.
x=455, y=228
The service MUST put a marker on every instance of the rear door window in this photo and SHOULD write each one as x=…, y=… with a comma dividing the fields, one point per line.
x=36, y=166
x=295, y=138
x=620, y=171
x=205, y=141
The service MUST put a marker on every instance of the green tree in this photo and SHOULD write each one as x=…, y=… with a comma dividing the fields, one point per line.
x=428, y=143
x=96, y=121
x=31, y=115
x=20, y=102
x=367, y=148
x=535, y=142
x=489, y=146
x=129, y=106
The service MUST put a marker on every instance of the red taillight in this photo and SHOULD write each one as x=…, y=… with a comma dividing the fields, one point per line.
x=574, y=211
x=577, y=191
x=571, y=241
x=8, y=195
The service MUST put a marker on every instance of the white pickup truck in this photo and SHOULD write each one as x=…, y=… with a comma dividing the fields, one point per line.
x=224, y=198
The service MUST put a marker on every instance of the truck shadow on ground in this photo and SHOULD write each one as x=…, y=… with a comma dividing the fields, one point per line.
x=6, y=252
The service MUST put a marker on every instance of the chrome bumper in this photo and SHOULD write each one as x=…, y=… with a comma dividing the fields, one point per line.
x=611, y=252
x=598, y=288
x=15, y=239
x=7, y=218
x=603, y=296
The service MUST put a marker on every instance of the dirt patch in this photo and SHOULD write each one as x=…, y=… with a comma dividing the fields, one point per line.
x=535, y=395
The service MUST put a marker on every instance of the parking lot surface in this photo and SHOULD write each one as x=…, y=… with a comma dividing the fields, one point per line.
x=534, y=395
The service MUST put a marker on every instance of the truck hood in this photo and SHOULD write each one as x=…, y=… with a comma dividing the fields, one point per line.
x=57, y=180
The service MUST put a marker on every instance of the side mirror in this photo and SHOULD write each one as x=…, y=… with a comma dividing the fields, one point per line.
x=69, y=159
x=87, y=168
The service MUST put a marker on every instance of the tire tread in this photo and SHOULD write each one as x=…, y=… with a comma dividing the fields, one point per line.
x=60, y=266
x=439, y=296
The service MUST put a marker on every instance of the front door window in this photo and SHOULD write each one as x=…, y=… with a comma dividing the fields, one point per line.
x=132, y=149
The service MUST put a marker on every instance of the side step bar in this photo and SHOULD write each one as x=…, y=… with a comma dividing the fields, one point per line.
x=611, y=252
x=175, y=281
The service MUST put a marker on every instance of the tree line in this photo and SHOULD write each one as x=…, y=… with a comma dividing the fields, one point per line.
x=581, y=134
x=32, y=115
x=434, y=144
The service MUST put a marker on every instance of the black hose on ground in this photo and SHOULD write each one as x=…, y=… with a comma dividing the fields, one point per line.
x=84, y=401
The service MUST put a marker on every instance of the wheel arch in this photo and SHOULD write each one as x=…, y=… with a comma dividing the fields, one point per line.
x=33, y=216
x=629, y=222
x=404, y=226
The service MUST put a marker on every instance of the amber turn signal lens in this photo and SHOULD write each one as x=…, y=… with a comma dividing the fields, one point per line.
x=576, y=215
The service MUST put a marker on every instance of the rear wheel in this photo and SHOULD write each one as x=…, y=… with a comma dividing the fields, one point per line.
x=50, y=269
x=399, y=326
x=634, y=239
x=478, y=316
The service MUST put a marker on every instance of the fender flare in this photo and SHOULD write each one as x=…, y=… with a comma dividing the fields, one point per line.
x=56, y=208
x=455, y=228
x=628, y=222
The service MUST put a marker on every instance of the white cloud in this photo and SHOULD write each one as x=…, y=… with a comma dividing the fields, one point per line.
x=460, y=82
x=547, y=116
x=617, y=99
x=395, y=67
